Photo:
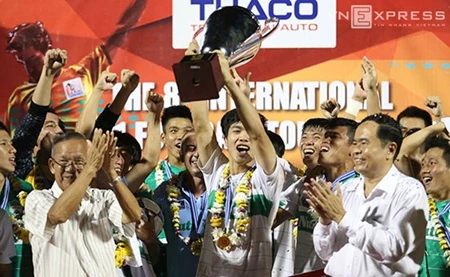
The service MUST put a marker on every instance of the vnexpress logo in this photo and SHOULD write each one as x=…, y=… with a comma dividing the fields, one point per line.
x=361, y=16
x=303, y=23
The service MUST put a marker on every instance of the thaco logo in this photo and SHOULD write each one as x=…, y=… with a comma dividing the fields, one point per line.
x=303, y=23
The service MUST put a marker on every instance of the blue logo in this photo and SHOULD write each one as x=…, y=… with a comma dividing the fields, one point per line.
x=268, y=10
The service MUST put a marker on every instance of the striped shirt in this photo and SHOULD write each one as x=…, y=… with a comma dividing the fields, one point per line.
x=254, y=258
x=81, y=246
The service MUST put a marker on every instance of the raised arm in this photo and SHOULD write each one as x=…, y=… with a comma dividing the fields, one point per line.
x=127, y=201
x=70, y=199
x=86, y=122
x=152, y=147
x=414, y=141
x=27, y=133
x=204, y=133
x=370, y=79
x=261, y=145
x=109, y=116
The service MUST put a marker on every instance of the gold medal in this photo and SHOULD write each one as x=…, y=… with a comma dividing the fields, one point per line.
x=196, y=247
x=224, y=243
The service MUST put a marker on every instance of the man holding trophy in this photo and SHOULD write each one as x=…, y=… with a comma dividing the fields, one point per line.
x=244, y=189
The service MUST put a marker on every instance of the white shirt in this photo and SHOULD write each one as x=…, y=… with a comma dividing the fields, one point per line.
x=7, y=248
x=381, y=235
x=254, y=258
x=81, y=246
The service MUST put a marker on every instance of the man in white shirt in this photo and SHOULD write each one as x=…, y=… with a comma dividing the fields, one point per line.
x=244, y=189
x=70, y=224
x=376, y=225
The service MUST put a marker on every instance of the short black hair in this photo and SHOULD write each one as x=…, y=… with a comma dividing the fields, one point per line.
x=231, y=117
x=388, y=131
x=179, y=111
x=66, y=137
x=277, y=142
x=60, y=122
x=3, y=127
x=130, y=144
x=345, y=122
x=440, y=143
x=315, y=123
x=413, y=111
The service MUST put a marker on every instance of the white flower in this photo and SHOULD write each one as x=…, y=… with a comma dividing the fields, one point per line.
x=235, y=239
x=240, y=196
x=217, y=233
x=218, y=206
x=215, y=210
x=240, y=215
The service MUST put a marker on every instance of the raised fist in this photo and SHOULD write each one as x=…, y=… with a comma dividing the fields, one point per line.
x=54, y=60
x=106, y=81
x=330, y=108
x=154, y=102
x=434, y=105
x=129, y=79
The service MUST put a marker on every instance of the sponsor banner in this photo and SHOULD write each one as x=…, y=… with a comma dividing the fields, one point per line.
x=303, y=23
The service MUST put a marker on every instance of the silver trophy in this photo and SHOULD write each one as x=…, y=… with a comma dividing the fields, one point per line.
x=237, y=33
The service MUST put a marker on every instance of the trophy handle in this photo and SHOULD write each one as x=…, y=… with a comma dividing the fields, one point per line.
x=251, y=45
x=199, y=35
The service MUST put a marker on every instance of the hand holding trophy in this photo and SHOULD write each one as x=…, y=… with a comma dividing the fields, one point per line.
x=233, y=30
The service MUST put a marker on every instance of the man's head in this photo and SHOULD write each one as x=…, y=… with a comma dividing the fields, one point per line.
x=312, y=135
x=53, y=127
x=7, y=152
x=435, y=170
x=189, y=154
x=29, y=42
x=176, y=122
x=129, y=152
x=413, y=119
x=277, y=142
x=338, y=138
x=377, y=141
x=236, y=137
x=68, y=158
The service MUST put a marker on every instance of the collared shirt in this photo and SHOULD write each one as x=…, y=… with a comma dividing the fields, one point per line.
x=380, y=235
x=81, y=246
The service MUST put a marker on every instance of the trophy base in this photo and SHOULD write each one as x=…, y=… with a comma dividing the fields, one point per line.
x=198, y=77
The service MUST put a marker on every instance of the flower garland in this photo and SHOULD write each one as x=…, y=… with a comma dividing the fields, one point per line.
x=159, y=174
x=173, y=193
x=17, y=221
x=234, y=237
x=439, y=230
x=123, y=253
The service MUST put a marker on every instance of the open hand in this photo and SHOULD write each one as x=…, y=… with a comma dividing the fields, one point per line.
x=370, y=75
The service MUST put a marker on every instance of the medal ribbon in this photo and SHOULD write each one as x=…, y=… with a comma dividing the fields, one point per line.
x=6, y=189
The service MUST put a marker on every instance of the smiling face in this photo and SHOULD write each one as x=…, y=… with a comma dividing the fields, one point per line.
x=335, y=147
x=310, y=145
x=435, y=173
x=72, y=153
x=7, y=154
x=369, y=156
x=238, y=144
x=190, y=154
x=175, y=129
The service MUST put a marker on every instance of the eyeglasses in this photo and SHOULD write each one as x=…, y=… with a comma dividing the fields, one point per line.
x=78, y=164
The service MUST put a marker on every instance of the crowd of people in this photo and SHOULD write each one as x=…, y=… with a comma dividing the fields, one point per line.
x=370, y=200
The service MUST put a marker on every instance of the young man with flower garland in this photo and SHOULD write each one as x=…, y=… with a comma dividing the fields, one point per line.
x=435, y=174
x=243, y=190
x=183, y=201
x=176, y=122
x=376, y=224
